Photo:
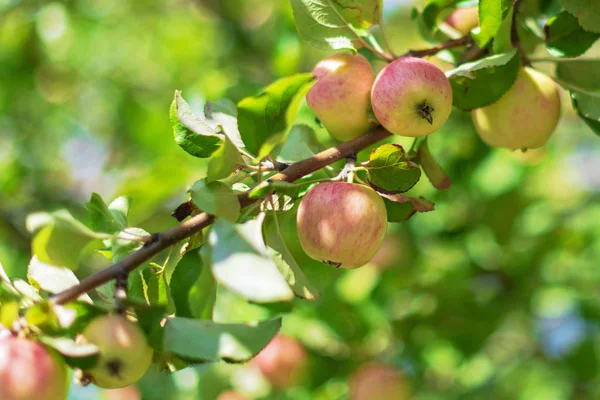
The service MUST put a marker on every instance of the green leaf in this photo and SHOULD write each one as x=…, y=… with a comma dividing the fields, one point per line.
x=151, y=322
x=203, y=294
x=209, y=341
x=265, y=120
x=565, y=38
x=432, y=169
x=400, y=207
x=585, y=76
x=285, y=262
x=223, y=161
x=482, y=82
x=428, y=18
x=192, y=133
x=215, y=198
x=222, y=115
x=503, y=39
x=101, y=218
x=184, y=277
x=59, y=239
x=320, y=24
x=242, y=263
x=76, y=355
x=9, y=313
x=361, y=14
x=389, y=170
x=301, y=143
x=126, y=242
x=586, y=11
x=491, y=15
x=119, y=208
x=51, y=278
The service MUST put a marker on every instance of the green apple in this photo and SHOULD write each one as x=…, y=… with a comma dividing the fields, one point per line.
x=28, y=371
x=125, y=355
x=464, y=19
x=379, y=382
x=524, y=117
x=411, y=97
x=340, y=97
x=341, y=224
x=282, y=361
x=359, y=13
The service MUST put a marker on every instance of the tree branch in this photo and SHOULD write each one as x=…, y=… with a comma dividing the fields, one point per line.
x=463, y=41
x=514, y=33
x=198, y=222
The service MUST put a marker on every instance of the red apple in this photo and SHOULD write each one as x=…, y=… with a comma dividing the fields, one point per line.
x=340, y=97
x=341, y=223
x=28, y=371
x=379, y=382
x=464, y=19
x=125, y=355
x=524, y=117
x=411, y=97
x=282, y=361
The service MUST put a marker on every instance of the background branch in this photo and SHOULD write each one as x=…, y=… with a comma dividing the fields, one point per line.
x=197, y=223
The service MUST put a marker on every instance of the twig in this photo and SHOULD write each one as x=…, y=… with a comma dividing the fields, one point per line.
x=514, y=33
x=450, y=44
x=202, y=220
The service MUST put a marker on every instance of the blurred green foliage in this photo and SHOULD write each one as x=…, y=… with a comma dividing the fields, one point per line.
x=492, y=295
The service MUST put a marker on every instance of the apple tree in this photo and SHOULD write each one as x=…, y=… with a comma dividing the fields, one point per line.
x=149, y=304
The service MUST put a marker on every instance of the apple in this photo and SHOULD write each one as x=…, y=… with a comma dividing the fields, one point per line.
x=340, y=97
x=231, y=395
x=359, y=13
x=28, y=371
x=524, y=117
x=341, y=224
x=464, y=19
x=124, y=356
x=282, y=361
x=411, y=97
x=126, y=393
x=379, y=382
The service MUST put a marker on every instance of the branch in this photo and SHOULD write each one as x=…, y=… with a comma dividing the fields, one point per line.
x=196, y=223
x=514, y=33
x=450, y=44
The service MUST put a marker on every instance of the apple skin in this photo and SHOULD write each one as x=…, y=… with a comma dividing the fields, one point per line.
x=125, y=355
x=524, y=117
x=359, y=13
x=341, y=223
x=411, y=97
x=28, y=371
x=340, y=97
x=379, y=382
x=126, y=393
x=464, y=19
x=282, y=361
x=231, y=395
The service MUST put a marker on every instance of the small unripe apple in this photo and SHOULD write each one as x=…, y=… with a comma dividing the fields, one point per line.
x=28, y=371
x=341, y=224
x=411, y=97
x=464, y=19
x=124, y=355
x=379, y=382
x=231, y=395
x=524, y=117
x=340, y=97
x=359, y=13
x=282, y=361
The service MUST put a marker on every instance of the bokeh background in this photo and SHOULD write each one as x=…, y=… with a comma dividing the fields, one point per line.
x=495, y=295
